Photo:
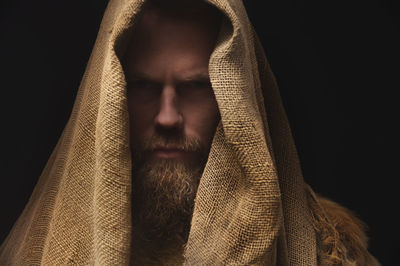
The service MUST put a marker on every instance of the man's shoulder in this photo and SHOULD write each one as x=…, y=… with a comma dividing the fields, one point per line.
x=341, y=235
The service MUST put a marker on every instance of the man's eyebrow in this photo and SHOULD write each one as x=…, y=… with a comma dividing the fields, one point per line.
x=199, y=76
x=140, y=75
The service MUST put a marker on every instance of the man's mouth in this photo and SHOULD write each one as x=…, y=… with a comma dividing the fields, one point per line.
x=169, y=153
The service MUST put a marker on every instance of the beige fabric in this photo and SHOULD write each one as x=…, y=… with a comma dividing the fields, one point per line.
x=251, y=206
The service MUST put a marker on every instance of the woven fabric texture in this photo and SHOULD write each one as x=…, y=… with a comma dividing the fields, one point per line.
x=251, y=205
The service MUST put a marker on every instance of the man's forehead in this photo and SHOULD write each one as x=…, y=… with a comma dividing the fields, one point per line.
x=160, y=12
x=195, y=74
x=171, y=48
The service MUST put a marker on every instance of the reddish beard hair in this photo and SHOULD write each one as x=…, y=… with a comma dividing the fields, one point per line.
x=163, y=190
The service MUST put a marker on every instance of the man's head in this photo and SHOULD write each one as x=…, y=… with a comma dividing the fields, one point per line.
x=172, y=108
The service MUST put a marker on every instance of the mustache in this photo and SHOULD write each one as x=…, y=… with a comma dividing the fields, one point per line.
x=141, y=152
x=162, y=142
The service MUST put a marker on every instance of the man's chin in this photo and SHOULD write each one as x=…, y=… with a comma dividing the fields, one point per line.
x=163, y=195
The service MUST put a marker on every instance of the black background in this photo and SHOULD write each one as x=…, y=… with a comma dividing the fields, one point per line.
x=336, y=63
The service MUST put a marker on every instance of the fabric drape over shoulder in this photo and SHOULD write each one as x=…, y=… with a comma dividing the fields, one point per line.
x=252, y=205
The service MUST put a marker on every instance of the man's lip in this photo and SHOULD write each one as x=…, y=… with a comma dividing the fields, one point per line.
x=169, y=153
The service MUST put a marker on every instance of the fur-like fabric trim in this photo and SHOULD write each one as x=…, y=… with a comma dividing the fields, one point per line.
x=341, y=235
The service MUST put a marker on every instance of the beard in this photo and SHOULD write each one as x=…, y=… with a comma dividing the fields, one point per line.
x=163, y=190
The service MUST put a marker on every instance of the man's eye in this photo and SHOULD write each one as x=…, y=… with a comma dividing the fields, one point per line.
x=140, y=84
x=195, y=91
x=143, y=91
x=198, y=85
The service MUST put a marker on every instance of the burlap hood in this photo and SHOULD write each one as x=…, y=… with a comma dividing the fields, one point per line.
x=251, y=206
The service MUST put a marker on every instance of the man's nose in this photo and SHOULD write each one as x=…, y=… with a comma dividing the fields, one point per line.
x=169, y=115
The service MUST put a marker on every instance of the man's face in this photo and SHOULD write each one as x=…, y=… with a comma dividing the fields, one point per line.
x=173, y=116
x=169, y=91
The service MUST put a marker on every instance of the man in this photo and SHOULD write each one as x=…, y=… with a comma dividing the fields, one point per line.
x=173, y=117
x=178, y=151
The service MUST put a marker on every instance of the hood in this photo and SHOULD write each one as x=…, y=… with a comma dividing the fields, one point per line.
x=251, y=205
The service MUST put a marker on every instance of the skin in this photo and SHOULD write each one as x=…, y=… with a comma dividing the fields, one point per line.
x=173, y=117
x=169, y=91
